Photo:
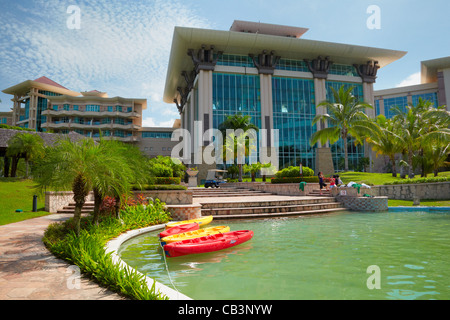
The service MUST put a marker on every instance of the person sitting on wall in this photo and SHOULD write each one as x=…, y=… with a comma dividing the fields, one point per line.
x=322, y=182
x=332, y=183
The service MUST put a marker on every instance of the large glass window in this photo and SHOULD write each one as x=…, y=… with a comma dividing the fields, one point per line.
x=236, y=93
x=389, y=103
x=293, y=112
x=157, y=135
x=355, y=153
x=292, y=65
x=233, y=60
x=343, y=70
x=92, y=108
x=432, y=97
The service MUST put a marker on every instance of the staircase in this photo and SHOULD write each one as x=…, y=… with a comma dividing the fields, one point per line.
x=316, y=193
x=87, y=208
x=264, y=205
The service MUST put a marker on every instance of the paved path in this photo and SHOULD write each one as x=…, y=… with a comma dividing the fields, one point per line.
x=28, y=271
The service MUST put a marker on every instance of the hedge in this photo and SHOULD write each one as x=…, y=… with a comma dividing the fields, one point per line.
x=159, y=187
x=165, y=180
x=295, y=180
x=420, y=180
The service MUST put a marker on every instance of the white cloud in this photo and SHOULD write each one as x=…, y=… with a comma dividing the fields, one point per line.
x=150, y=122
x=123, y=47
x=410, y=81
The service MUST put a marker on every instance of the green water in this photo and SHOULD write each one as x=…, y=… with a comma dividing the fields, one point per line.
x=315, y=257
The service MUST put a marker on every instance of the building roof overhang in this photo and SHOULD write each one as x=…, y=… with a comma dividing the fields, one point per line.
x=430, y=68
x=251, y=43
x=23, y=88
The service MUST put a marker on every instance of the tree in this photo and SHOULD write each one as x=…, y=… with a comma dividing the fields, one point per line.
x=384, y=140
x=345, y=118
x=27, y=145
x=253, y=169
x=238, y=140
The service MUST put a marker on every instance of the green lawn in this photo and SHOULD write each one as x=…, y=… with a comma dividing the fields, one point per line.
x=377, y=178
x=18, y=194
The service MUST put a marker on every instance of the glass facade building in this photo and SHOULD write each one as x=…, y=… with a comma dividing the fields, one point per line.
x=293, y=111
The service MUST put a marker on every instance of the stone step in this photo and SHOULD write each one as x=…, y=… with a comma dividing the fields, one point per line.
x=267, y=203
x=228, y=195
x=87, y=208
x=279, y=214
x=271, y=209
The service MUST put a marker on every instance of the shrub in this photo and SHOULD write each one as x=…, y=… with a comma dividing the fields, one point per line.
x=420, y=180
x=294, y=172
x=87, y=249
x=161, y=170
x=159, y=187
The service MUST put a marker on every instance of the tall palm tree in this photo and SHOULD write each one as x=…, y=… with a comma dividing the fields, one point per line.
x=27, y=145
x=385, y=141
x=345, y=118
x=235, y=142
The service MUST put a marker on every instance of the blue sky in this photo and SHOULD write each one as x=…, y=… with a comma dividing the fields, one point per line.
x=122, y=47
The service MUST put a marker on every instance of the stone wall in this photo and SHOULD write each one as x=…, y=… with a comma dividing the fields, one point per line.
x=282, y=189
x=423, y=191
x=56, y=200
x=376, y=204
x=170, y=197
x=185, y=211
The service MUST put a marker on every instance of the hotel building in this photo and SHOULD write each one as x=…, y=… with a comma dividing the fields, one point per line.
x=271, y=74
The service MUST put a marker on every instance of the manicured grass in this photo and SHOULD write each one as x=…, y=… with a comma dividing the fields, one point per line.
x=425, y=203
x=18, y=194
x=377, y=178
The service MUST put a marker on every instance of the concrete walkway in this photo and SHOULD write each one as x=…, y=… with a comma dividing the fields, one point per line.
x=28, y=271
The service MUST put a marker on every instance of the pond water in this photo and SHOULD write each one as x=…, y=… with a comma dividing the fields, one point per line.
x=313, y=257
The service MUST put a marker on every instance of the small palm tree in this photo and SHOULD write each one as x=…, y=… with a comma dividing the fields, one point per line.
x=27, y=145
x=385, y=141
x=240, y=141
x=108, y=168
x=345, y=118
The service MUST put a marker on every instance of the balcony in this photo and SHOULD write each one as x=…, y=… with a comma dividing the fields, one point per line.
x=68, y=113
x=89, y=126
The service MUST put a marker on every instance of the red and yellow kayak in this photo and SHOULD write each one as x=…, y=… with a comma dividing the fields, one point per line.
x=179, y=229
x=194, y=234
x=207, y=244
x=201, y=221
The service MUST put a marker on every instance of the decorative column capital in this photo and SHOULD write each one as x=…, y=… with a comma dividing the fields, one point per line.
x=264, y=62
x=319, y=67
x=204, y=58
x=368, y=72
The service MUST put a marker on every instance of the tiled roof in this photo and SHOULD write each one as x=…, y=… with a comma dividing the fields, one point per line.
x=50, y=82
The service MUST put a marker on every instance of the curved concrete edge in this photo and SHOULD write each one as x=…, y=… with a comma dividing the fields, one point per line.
x=113, y=247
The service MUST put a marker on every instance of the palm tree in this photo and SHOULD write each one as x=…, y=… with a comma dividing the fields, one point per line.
x=345, y=118
x=27, y=145
x=385, y=141
x=83, y=166
x=421, y=126
x=234, y=142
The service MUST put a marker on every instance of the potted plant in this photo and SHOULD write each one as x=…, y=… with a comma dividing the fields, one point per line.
x=192, y=172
